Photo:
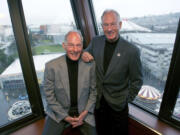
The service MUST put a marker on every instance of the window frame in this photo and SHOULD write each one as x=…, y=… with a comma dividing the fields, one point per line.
x=28, y=69
x=86, y=22
x=84, y=19
x=172, y=86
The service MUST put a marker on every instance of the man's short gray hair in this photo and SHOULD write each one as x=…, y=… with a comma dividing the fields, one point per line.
x=73, y=31
x=111, y=10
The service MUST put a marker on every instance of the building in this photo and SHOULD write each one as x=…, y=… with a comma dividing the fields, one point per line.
x=156, y=51
x=12, y=78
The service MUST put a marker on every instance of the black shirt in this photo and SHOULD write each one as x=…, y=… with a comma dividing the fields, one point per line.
x=108, y=53
x=73, y=83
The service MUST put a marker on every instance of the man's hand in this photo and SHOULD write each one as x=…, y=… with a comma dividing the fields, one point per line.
x=81, y=118
x=71, y=120
x=74, y=121
x=87, y=57
x=79, y=123
x=83, y=115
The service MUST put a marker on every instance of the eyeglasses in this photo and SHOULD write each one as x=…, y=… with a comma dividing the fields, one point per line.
x=106, y=25
x=70, y=45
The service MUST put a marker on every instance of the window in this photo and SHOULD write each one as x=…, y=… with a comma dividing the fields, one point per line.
x=14, y=101
x=153, y=31
x=46, y=30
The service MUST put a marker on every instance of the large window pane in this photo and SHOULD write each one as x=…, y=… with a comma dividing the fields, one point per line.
x=47, y=25
x=14, y=102
x=151, y=26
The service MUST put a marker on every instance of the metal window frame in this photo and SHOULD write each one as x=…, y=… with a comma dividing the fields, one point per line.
x=28, y=69
x=172, y=86
x=82, y=21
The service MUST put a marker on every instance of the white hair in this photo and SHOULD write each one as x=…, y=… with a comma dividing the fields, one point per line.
x=113, y=11
x=73, y=31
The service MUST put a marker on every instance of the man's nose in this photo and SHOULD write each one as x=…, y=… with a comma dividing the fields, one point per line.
x=75, y=48
x=109, y=28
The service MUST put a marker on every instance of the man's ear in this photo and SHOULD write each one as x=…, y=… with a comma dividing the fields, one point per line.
x=120, y=24
x=101, y=25
x=64, y=46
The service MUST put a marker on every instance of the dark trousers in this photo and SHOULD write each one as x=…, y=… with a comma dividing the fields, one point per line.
x=53, y=128
x=111, y=122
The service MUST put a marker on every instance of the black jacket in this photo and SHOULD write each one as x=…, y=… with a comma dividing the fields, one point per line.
x=123, y=78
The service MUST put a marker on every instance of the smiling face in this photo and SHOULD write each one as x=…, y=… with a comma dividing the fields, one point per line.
x=111, y=26
x=73, y=46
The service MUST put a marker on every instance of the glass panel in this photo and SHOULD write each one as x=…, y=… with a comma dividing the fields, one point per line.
x=151, y=26
x=14, y=102
x=176, y=112
x=47, y=25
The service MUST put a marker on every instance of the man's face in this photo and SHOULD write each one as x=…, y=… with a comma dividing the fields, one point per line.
x=73, y=46
x=111, y=26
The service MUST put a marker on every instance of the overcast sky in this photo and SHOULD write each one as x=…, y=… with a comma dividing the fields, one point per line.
x=59, y=11
x=132, y=8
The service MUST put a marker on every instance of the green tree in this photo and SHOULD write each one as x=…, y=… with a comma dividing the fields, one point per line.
x=7, y=59
x=4, y=62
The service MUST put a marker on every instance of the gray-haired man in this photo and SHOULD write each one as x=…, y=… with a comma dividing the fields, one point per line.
x=119, y=75
x=70, y=90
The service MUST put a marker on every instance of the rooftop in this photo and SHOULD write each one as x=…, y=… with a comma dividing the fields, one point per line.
x=39, y=62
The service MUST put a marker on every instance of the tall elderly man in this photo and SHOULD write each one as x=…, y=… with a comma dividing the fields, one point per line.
x=70, y=89
x=119, y=75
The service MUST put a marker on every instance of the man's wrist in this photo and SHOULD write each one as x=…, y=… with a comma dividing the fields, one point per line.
x=67, y=118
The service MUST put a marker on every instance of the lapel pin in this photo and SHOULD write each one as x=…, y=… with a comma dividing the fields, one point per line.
x=118, y=54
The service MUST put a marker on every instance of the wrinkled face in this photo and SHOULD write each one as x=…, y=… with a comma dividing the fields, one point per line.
x=111, y=26
x=73, y=46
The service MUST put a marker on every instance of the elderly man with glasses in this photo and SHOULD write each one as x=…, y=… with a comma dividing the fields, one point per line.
x=119, y=75
x=70, y=89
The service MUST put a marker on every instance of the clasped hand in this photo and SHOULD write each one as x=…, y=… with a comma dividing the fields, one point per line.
x=76, y=121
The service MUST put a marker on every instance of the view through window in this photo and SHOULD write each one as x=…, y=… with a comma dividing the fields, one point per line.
x=151, y=26
x=14, y=102
x=47, y=25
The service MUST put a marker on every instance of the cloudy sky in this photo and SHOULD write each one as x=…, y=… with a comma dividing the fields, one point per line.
x=59, y=11
x=131, y=8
